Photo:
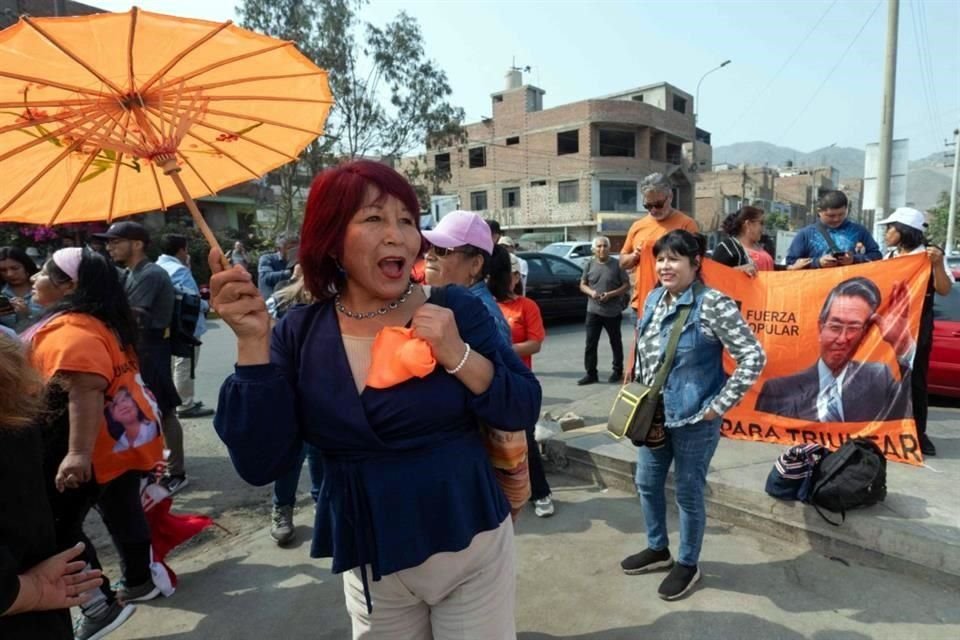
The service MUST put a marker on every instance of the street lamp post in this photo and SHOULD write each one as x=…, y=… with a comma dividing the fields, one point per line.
x=696, y=106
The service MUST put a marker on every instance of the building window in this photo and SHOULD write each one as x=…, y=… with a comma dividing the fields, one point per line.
x=511, y=197
x=498, y=98
x=674, y=153
x=568, y=142
x=513, y=140
x=538, y=183
x=614, y=142
x=618, y=195
x=637, y=98
x=441, y=163
x=478, y=200
x=478, y=157
x=679, y=104
x=568, y=191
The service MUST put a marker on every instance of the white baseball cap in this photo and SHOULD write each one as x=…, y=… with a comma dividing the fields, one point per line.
x=913, y=218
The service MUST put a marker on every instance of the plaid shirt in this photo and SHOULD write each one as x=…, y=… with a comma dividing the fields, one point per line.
x=719, y=318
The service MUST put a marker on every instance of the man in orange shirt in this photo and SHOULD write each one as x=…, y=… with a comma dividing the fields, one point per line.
x=637, y=251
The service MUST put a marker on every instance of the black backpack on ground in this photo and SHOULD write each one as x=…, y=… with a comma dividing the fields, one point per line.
x=855, y=475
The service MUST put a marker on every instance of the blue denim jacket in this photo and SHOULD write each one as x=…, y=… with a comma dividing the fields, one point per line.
x=697, y=374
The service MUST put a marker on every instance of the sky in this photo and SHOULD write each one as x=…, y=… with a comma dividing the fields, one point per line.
x=805, y=74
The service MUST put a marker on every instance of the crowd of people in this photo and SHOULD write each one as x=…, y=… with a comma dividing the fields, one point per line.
x=398, y=363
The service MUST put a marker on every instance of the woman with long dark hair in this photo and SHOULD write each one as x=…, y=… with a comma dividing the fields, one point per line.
x=16, y=269
x=694, y=398
x=741, y=248
x=410, y=509
x=83, y=348
x=905, y=236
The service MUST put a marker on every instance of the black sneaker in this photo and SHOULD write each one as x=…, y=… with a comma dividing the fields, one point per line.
x=140, y=593
x=587, y=379
x=195, y=411
x=616, y=377
x=926, y=447
x=173, y=484
x=678, y=582
x=87, y=628
x=646, y=561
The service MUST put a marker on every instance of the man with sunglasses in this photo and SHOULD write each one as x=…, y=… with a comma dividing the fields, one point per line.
x=661, y=218
x=838, y=388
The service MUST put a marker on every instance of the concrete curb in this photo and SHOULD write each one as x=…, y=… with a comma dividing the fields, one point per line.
x=898, y=535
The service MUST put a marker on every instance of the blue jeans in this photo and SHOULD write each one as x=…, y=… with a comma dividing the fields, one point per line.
x=690, y=447
x=285, y=488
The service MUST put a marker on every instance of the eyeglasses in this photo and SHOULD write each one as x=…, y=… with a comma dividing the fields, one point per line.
x=654, y=205
x=835, y=330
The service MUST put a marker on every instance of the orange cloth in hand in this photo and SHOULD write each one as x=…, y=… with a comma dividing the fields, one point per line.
x=397, y=357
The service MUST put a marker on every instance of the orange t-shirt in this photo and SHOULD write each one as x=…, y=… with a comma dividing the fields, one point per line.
x=526, y=322
x=129, y=435
x=647, y=231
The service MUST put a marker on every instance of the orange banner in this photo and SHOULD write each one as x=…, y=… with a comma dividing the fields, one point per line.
x=839, y=344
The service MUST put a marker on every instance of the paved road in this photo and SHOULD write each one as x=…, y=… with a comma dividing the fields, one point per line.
x=569, y=587
x=239, y=585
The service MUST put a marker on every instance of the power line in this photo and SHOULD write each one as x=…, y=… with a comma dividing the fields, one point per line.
x=922, y=12
x=752, y=103
x=921, y=59
x=829, y=75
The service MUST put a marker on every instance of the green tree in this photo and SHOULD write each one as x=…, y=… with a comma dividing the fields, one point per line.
x=937, y=230
x=389, y=96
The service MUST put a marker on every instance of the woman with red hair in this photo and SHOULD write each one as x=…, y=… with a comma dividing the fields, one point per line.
x=409, y=510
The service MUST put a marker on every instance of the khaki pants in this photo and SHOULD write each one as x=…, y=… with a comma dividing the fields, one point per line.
x=463, y=595
x=182, y=380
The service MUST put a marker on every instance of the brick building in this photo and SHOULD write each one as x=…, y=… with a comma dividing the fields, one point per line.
x=571, y=171
x=790, y=190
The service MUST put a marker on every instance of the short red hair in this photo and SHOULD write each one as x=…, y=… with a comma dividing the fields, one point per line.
x=335, y=196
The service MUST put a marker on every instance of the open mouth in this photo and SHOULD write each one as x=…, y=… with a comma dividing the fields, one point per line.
x=392, y=267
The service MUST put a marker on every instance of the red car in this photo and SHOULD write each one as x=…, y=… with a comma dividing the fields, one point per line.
x=944, y=376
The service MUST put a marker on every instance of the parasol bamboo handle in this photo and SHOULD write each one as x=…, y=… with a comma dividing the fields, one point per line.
x=171, y=169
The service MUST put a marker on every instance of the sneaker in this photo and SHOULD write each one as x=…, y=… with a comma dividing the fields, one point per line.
x=926, y=446
x=587, y=379
x=678, y=582
x=616, y=377
x=543, y=507
x=173, y=484
x=281, y=527
x=140, y=593
x=94, y=628
x=646, y=561
x=196, y=410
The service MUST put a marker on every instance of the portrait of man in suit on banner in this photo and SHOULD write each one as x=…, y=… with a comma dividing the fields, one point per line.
x=838, y=388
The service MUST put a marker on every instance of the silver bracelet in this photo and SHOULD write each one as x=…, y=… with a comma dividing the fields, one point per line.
x=463, y=361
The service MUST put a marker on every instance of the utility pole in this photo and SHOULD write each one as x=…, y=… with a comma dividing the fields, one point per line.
x=886, y=118
x=952, y=216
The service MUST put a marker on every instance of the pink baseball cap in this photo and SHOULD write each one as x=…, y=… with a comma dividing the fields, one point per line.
x=461, y=228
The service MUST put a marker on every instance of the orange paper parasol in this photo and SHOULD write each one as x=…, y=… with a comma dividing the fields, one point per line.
x=95, y=109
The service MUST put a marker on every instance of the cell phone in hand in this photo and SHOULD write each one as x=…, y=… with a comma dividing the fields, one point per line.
x=839, y=254
x=6, y=308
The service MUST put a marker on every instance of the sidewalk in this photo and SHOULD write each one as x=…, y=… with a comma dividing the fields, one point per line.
x=915, y=531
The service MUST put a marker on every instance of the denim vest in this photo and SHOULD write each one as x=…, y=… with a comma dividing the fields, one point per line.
x=697, y=374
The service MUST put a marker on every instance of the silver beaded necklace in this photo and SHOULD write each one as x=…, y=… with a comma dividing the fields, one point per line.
x=366, y=315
